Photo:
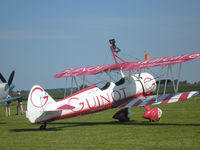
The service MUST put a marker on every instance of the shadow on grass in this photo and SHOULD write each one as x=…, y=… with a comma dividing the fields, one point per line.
x=132, y=122
x=77, y=124
x=34, y=129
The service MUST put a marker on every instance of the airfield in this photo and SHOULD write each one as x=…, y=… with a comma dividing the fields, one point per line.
x=179, y=128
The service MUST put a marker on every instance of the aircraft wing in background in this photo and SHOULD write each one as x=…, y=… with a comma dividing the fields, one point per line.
x=10, y=99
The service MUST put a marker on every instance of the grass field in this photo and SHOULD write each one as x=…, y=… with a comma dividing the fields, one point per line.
x=178, y=129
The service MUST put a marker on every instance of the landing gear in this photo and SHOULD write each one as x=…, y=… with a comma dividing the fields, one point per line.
x=156, y=120
x=122, y=115
x=43, y=127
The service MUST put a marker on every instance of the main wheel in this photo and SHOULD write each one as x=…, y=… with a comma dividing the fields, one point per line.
x=157, y=120
x=123, y=115
x=43, y=127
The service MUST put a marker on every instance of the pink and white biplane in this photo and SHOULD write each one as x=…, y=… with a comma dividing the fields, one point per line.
x=139, y=89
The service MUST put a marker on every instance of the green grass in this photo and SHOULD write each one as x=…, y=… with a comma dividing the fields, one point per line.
x=178, y=129
x=182, y=88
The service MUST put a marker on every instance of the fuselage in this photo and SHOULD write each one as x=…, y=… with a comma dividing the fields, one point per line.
x=93, y=99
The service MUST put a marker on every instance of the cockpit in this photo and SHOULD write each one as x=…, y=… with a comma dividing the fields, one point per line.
x=103, y=85
x=120, y=82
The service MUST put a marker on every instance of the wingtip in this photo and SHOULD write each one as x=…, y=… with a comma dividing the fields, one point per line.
x=195, y=93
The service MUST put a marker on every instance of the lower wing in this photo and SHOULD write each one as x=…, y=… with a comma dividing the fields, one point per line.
x=158, y=99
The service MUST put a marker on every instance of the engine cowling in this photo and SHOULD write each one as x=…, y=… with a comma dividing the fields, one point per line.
x=153, y=114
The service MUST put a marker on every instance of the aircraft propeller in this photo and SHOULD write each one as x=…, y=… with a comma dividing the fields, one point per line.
x=11, y=77
x=9, y=80
x=2, y=78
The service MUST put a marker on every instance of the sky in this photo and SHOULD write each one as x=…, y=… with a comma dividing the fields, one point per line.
x=40, y=38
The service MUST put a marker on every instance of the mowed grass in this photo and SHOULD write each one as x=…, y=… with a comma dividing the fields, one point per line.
x=178, y=129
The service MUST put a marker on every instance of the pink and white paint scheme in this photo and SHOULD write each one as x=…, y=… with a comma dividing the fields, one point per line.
x=131, y=91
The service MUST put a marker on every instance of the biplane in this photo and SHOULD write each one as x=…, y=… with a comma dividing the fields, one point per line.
x=6, y=87
x=132, y=89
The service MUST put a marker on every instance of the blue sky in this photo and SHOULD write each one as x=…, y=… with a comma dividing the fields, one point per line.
x=43, y=37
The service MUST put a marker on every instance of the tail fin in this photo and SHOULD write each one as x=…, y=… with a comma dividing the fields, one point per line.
x=38, y=100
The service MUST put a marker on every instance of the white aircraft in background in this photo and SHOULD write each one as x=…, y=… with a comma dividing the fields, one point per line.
x=131, y=90
x=6, y=87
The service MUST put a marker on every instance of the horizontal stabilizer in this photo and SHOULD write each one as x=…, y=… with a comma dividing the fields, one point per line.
x=64, y=107
x=158, y=99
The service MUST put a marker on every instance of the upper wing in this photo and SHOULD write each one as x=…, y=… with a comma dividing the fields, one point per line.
x=161, y=61
x=10, y=99
x=127, y=65
x=86, y=70
x=160, y=99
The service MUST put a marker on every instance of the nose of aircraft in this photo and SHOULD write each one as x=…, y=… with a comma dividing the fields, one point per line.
x=9, y=86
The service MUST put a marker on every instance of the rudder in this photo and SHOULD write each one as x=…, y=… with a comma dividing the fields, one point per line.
x=38, y=100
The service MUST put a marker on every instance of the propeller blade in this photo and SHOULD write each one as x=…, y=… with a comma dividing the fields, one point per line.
x=11, y=77
x=2, y=78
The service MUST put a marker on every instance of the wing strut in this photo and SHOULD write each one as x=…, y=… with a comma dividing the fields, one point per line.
x=165, y=87
x=172, y=77
x=73, y=79
x=174, y=82
x=72, y=82
x=179, y=74
x=65, y=87
x=129, y=75
x=76, y=83
x=159, y=79
x=108, y=73
x=83, y=81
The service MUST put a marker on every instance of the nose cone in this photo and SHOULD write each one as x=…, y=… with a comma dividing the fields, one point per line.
x=12, y=86
x=6, y=87
x=9, y=88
